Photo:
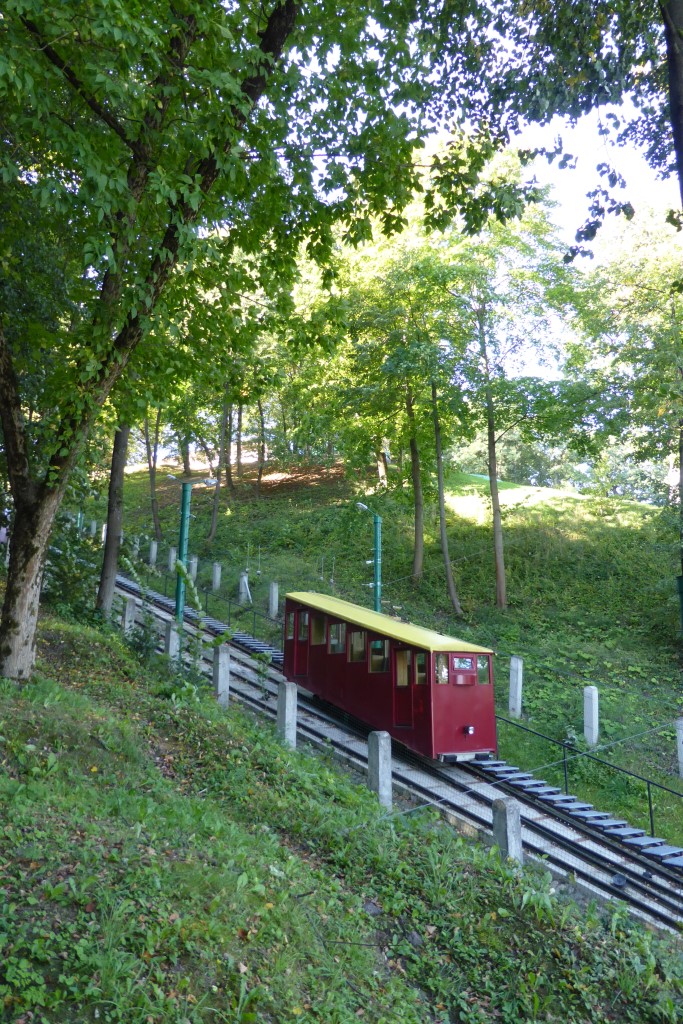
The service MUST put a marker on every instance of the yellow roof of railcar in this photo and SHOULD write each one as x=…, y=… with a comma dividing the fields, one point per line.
x=377, y=622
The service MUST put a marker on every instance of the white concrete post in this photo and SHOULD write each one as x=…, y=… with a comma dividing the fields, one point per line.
x=507, y=829
x=172, y=559
x=273, y=600
x=93, y=527
x=516, y=679
x=244, y=595
x=591, y=716
x=192, y=567
x=216, y=577
x=172, y=643
x=136, y=547
x=679, y=745
x=379, y=767
x=286, y=713
x=153, y=552
x=129, y=611
x=221, y=674
x=104, y=533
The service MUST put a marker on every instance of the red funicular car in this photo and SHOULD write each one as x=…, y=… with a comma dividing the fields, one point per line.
x=433, y=693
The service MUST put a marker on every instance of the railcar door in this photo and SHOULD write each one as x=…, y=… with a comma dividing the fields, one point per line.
x=302, y=627
x=401, y=675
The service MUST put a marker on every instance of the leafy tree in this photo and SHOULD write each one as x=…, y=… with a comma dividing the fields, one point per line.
x=134, y=131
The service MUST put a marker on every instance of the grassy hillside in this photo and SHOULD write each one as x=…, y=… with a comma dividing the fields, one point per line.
x=164, y=861
x=591, y=586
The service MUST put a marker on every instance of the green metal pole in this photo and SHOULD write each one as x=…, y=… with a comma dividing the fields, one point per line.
x=182, y=550
x=378, y=561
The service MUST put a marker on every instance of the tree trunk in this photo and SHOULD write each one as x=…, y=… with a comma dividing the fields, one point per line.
x=152, y=454
x=238, y=441
x=498, y=550
x=219, y=471
x=261, y=446
x=672, y=15
x=381, y=460
x=184, y=445
x=418, y=497
x=105, y=593
x=228, y=455
x=680, y=488
x=29, y=539
x=452, y=592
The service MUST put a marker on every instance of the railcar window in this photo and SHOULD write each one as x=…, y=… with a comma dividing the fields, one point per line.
x=420, y=669
x=303, y=625
x=461, y=664
x=357, y=645
x=483, y=674
x=403, y=668
x=442, y=668
x=290, y=626
x=379, y=655
x=317, y=629
x=337, y=637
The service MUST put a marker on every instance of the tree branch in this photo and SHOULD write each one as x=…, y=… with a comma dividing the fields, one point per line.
x=78, y=86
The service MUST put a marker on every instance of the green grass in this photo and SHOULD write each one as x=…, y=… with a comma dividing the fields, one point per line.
x=590, y=581
x=164, y=860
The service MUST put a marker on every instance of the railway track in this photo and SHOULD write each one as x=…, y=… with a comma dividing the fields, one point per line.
x=574, y=848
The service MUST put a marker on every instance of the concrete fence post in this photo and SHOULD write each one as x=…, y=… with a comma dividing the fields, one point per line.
x=679, y=745
x=273, y=599
x=172, y=641
x=192, y=567
x=216, y=577
x=130, y=608
x=221, y=674
x=379, y=767
x=153, y=547
x=103, y=536
x=136, y=547
x=516, y=680
x=286, y=713
x=93, y=527
x=172, y=559
x=591, y=715
x=244, y=594
x=507, y=829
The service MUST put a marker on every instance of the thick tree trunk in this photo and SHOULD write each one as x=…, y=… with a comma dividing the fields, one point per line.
x=452, y=591
x=112, y=544
x=219, y=471
x=184, y=445
x=29, y=541
x=672, y=16
x=238, y=441
x=152, y=448
x=418, y=497
x=381, y=460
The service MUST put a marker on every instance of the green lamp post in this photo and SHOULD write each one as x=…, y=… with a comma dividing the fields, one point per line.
x=377, y=554
x=183, y=541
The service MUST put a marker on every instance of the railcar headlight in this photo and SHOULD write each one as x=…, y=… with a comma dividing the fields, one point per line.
x=469, y=730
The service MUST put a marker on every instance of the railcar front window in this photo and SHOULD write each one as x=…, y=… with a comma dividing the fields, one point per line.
x=483, y=674
x=442, y=669
x=337, y=637
x=379, y=655
x=463, y=664
x=420, y=669
x=318, y=629
x=357, y=645
x=290, y=626
x=303, y=625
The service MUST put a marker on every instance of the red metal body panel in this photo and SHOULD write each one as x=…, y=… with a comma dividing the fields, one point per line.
x=454, y=717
